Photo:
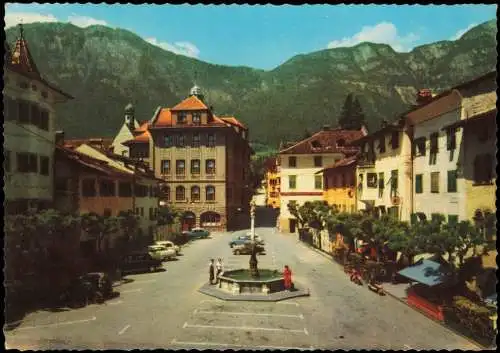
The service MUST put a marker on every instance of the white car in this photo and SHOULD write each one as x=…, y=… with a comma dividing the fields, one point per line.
x=160, y=252
x=169, y=245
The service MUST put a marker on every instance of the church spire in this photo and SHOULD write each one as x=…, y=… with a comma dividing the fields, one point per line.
x=21, y=57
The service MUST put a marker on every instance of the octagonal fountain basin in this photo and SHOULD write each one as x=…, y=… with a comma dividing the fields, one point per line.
x=241, y=282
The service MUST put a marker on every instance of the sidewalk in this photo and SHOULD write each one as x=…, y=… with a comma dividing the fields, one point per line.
x=398, y=291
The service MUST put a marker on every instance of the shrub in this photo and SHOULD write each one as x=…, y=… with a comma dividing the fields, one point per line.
x=473, y=316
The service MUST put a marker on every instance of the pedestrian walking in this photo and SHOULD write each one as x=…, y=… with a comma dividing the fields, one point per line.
x=211, y=271
x=219, y=269
x=287, y=276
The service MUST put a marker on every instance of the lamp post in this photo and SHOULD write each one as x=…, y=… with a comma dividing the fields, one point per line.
x=254, y=272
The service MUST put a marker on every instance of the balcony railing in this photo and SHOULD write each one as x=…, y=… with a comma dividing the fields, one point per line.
x=366, y=160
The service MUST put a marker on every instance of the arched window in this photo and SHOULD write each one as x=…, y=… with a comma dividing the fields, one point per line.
x=165, y=192
x=195, y=193
x=210, y=193
x=180, y=193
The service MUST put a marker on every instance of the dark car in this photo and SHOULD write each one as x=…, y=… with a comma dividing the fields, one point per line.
x=246, y=249
x=242, y=239
x=139, y=261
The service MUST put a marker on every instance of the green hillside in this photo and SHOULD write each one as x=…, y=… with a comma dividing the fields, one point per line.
x=106, y=68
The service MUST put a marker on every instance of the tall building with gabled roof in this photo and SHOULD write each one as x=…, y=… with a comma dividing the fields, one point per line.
x=300, y=163
x=203, y=159
x=29, y=130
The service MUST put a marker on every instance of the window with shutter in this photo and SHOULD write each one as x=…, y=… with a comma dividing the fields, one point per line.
x=195, y=193
x=452, y=181
x=318, y=182
x=292, y=181
x=418, y=184
x=451, y=139
x=292, y=162
x=435, y=182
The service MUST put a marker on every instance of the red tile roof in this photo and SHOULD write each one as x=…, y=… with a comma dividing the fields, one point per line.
x=342, y=163
x=232, y=120
x=104, y=142
x=190, y=103
x=326, y=141
x=92, y=163
x=164, y=118
x=20, y=61
x=140, y=138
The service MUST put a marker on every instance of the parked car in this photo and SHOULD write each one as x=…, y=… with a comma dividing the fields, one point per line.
x=197, y=233
x=139, y=261
x=161, y=252
x=246, y=249
x=169, y=245
x=242, y=239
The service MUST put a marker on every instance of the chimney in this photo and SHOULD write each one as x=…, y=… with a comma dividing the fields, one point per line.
x=423, y=96
x=60, y=137
x=326, y=127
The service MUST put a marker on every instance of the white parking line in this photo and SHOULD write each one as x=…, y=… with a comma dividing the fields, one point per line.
x=211, y=301
x=57, y=324
x=122, y=331
x=174, y=341
x=288, y=303
x=243, y=313
x=131, y=290
x=245, y=328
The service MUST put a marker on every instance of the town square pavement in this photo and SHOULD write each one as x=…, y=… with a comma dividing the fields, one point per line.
x=165, y=310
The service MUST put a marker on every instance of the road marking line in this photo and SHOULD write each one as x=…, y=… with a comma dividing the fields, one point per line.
x=243, y=313
x=288, y=303
x=185, y=325
x=407, y=346
x=123, y=330
x=174, y=341
x=306, y=332
x=245, y=328
x=131, y=290
x=57, y=324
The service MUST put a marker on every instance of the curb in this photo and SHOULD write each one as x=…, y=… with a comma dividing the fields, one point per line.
x=479, y=345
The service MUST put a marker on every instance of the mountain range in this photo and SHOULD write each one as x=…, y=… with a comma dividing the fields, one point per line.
x=106, y=68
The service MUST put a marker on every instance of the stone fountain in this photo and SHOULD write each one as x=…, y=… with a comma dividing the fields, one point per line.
x=251, y=284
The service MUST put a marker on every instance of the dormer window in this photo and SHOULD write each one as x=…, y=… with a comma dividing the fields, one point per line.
x=316, y=144
x=181, y=118
x=196, y=118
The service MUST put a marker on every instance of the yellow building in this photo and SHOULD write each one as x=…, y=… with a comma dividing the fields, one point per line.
x=339, y=182
x=29, y=131
x=300, y=163
x=273, y=183
x=203, y=159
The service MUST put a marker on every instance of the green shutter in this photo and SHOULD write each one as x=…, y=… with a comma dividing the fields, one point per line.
x=452, y=181
x=418, y=184
x=413, y=218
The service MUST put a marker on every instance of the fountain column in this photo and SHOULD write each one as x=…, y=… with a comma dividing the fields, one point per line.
x=254, y=272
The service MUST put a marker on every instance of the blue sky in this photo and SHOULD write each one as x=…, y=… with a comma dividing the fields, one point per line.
x=265, y=36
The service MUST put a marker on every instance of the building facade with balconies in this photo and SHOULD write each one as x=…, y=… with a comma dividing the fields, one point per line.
x=272, y=182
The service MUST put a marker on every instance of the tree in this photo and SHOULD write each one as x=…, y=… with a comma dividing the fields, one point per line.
x=128, y=222
x=352, y=116
x=167, y=215
x=99, y=227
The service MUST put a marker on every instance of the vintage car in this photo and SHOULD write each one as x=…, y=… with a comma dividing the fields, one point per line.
x=242, y=239
x=197, y=233
x=169, y=245
x=246, y=249
x=139, y=261
x=161, y=252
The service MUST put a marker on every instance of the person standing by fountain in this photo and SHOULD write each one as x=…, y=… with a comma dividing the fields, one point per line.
x=287, y=276
x=219, y=269
x=211, y=271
